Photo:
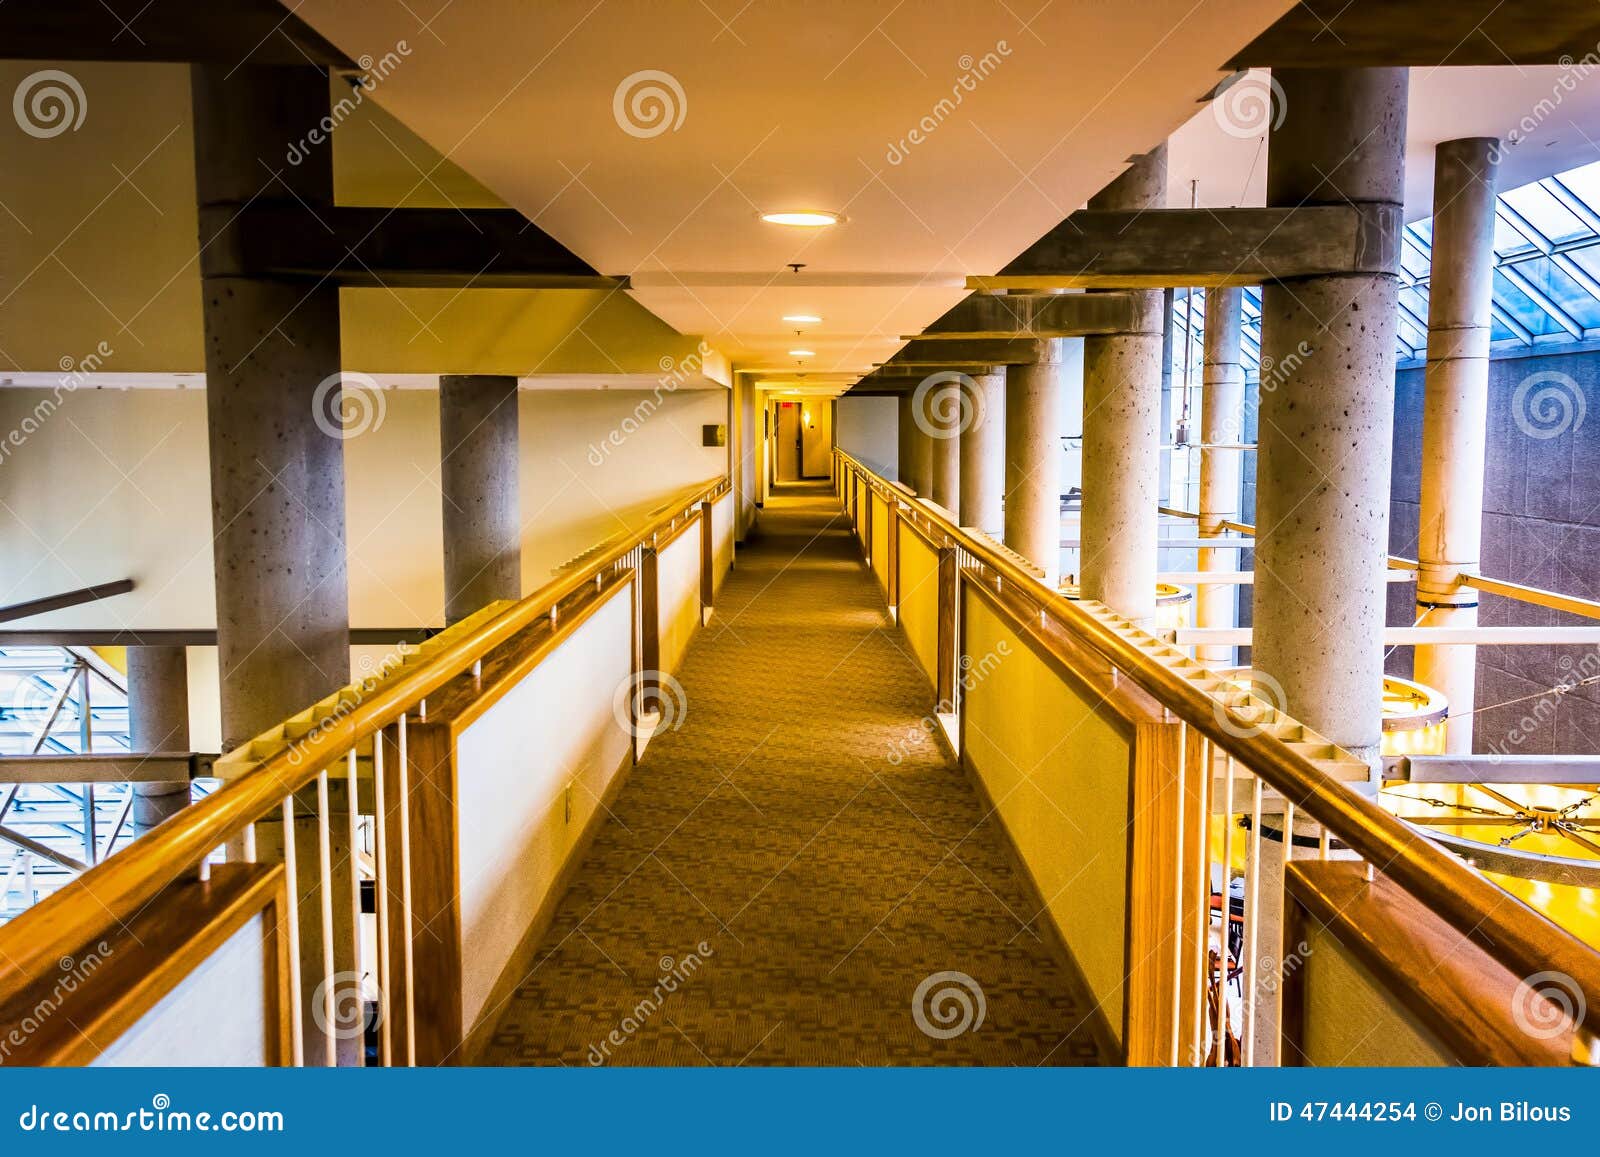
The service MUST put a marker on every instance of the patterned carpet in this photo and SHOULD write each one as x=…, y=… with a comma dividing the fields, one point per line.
x=770, y=888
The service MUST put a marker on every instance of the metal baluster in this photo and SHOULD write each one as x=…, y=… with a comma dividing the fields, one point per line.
x=1226, y=906
x=325, y=903
x=380, y=859
x=357, y=964
x=403, y=784
x=297, y=1044
x=1252, y=912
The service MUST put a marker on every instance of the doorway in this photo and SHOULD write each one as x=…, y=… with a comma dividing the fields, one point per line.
x=789, y=434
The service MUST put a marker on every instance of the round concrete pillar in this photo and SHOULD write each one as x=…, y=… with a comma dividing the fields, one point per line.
x=1221, y=422
x=1455, y=416
x=478, y=470
x=916, y=447
x=1033, y=459
x=941, y=409
x=158, y=720
x=983, y=452
x=1122, y=376
x=275, y=406
x=1327, y=413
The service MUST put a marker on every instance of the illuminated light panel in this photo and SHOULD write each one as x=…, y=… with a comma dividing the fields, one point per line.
x=802, y=218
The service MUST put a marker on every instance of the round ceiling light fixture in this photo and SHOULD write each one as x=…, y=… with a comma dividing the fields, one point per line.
x=802, y=218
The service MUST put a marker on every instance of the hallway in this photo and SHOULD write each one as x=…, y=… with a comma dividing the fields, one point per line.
x=790, y=884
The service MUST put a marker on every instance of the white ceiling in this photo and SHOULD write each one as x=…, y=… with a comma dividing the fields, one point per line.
x=797, y=103
x=800, y=104
x=1554, y=129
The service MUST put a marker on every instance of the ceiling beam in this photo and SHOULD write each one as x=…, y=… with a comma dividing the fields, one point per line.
x=397, y=248
x=1425, y=34
x=967, y=351
x=986, y=315
x=1156, y=248
x=226, y=32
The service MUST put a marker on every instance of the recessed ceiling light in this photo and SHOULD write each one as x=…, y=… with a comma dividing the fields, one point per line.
x=802, y=218
x=802, y=353
x=802, y=318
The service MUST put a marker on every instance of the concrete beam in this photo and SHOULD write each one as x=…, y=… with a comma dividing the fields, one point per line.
x=960, y=351
x=987, y=315
x=1424, y=34
x=394, y=248
x=1155, y=248
x=226, y=32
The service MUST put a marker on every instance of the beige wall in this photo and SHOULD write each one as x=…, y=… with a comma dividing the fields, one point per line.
x=115, y=484
x=98, y=244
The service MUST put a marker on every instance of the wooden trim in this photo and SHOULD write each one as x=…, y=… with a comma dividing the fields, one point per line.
x=142, y=962
x=118, y=888
x=1151, y=1006
x=892, y=565
x=435, y=889
x=1456, y=990
x=1525, y=940
x=649, y=618
x=434, y=810
x=1153, y=947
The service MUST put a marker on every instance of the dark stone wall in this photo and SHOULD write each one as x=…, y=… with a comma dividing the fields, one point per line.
x=1541, y=527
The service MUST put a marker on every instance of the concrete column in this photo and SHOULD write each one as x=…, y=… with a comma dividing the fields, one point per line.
x=1033, y=459
x=983, y=452
x=1221, y=421
x=1327, y=415
x=478, y=469
x=158, y=720
x=1122, y=429
x=916, y=448
x=945, y=419
x=273, y=407
x=1455, y=416
x=275, y=417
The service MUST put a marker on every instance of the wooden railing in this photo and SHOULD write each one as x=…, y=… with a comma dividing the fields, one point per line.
x=1189, y=783
x=346, y=772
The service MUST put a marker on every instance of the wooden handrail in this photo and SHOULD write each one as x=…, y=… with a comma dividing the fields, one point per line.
x=1513, y=933
x=113, y=891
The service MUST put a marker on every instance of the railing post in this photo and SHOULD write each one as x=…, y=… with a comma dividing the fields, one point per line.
x=649, y=674
x=945, y=690
x=708, y=562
